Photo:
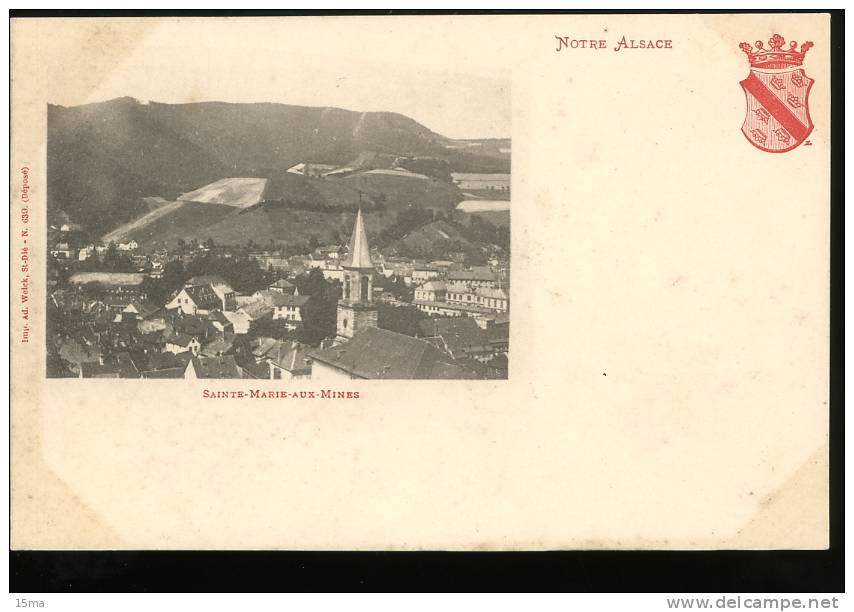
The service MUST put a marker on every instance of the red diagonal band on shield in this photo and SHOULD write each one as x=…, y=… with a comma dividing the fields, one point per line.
x=774, y=106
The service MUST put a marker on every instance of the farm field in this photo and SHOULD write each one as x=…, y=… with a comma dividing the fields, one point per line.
x=403, y=192
x=473, y=206
x=123, y=232
x=123, y=279
x=237, y=192
x=263, y=226
x=400, y=173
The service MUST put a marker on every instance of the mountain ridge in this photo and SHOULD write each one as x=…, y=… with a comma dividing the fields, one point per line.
x=104, y=157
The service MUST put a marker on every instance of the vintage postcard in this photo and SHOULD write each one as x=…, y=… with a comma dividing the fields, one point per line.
x=420, y=282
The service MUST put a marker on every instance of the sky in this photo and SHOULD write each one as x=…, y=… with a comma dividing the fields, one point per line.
x=271, y=62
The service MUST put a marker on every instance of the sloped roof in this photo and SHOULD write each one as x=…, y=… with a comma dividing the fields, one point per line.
x=491, y=293
x=471, y=275
x=263, y=345
x=216, y=367
x=360, y=252
x=381, y=354
x=218, y=346
x=459, y=334
x=165, y=373
x=219, y=317
x=282, y=284
x=168, y=361
x=180, y=339
x=214, y=280
x=190, y=324
x=274, y=298
x=203, y=296
x=257, y=309
x=125, y=366
x=290, y=356
x=433, y=285
x=144, y=308
x=457, y=287
x=256, y=370
x=96, y=370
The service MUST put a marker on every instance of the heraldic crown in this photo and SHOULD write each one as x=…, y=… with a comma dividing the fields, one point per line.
x=775, y=56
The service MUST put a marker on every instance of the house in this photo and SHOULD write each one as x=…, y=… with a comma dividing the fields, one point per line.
x=494, y=299
x=287, y=360
x=212, y=367
x=447, y=309
x=223, y=345
x=179, y=343
x=128, y=246
x=80, y=349
x=329, y=252
x=486, y=298
x=156, y=270
x=139, y=310
x=334, y=273
x=219, y=286
x=98, y=370
x=165, y=373
x=283, y=286
x=152, y=342
x=256, y=310
x=220, y=322
x=460, y=337
x=287, y=307
x=422, y=273
x=375, y=353
x=62, y=250
x=473, y=278
x=315, y=261
x=431, y=291
x=125, y=366
x=193, y=325
x=261, y=346
x=119, y=366
x=442, y=265
x=195, y=299
x=478, y=181
x=239, y=320
x=166, y=365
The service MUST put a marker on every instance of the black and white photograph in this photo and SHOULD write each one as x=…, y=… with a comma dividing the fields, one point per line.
x=273, y=241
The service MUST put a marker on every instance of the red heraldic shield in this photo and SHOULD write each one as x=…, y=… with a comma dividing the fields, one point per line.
x=778, y=113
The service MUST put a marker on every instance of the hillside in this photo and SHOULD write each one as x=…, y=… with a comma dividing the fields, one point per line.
x=263, y=226
x=103, y=158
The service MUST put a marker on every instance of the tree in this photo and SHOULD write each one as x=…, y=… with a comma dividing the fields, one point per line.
x=400, y=319
x=271, y=328
x=174, y=275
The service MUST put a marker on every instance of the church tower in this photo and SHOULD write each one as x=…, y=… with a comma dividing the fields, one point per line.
x=356, y=309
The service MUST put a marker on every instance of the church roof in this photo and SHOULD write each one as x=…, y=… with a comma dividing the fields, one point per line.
x=216, y=367
x=360, y=253
x=379, y=353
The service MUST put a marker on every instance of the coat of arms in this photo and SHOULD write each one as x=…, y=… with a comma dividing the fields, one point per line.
x=777, y=92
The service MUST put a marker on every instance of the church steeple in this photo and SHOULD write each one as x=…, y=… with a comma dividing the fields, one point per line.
x=356, y=309
x=359, y=257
